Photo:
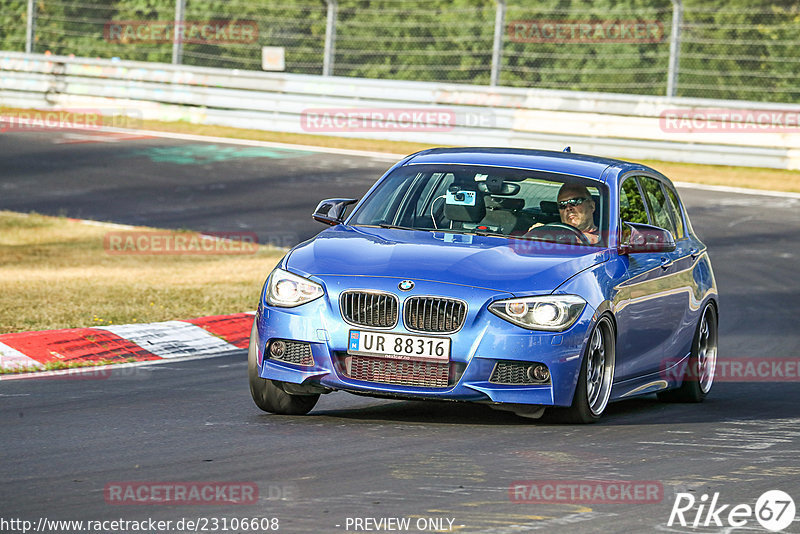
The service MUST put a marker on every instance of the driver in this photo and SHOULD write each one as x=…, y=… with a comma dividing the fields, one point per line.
x=576, y=208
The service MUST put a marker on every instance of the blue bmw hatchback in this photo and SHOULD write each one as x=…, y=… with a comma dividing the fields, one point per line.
x=527, y=280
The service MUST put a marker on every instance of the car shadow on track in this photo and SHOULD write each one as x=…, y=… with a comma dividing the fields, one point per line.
x=728, y=402
x=432, y=412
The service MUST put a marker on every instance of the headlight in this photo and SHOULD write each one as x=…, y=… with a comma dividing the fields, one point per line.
x=288, y=290
x=547, y=312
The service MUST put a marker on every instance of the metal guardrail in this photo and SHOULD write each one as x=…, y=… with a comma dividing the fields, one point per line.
x=626, y=126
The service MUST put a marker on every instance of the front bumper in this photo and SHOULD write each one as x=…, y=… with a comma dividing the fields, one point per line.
x=482, y=342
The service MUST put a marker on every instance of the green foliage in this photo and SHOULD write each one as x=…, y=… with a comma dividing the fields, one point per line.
x=737, y=49
x=12, y=24
x=749, y=54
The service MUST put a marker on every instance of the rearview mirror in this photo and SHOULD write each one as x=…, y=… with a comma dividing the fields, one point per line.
x=637, y=237
x=332, y=210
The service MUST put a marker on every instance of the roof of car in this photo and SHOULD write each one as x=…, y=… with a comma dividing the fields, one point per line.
x=540, y=160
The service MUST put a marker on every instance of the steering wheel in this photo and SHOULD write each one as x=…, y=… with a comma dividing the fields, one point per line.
x=562, y=226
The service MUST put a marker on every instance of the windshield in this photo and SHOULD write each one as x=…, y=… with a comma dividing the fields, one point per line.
x=499, y=201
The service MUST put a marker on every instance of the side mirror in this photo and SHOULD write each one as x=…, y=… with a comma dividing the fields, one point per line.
x=331, y=211
x=637, y=237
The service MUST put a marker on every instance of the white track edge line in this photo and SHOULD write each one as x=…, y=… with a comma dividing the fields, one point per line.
x=397, y=157
x=739, y=190
x=371, y=154
x=214, y=139
x=95, y=368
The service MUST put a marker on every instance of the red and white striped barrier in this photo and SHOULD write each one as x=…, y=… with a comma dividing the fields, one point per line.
x=204, y=336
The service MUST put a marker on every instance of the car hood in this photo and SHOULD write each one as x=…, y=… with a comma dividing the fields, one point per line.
x=501, y=264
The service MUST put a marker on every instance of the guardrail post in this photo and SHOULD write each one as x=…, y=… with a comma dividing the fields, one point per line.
x=177, y=42
x=674, y=48
x=497, y=47
x=30, y=27
x=330, y=39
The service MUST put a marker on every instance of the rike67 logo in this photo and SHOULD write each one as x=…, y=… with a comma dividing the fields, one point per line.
x=774, y=510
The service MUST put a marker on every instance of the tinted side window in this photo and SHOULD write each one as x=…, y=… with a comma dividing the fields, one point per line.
x=676, y=213
x=631, y=206
x=383, y=202
x=658, y=203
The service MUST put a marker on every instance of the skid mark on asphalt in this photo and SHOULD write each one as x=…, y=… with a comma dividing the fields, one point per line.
x=741, y=435
x=439, y=466
x=553, y=524
x=540, y=464
x=202, y=154
x=500, y=516
x=760, y=445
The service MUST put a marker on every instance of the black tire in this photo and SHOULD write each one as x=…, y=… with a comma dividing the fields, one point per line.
x=269, y=394
x=702, y=360
x=588, y=405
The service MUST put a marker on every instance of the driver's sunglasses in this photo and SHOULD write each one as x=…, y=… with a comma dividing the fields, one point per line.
x=564, y=204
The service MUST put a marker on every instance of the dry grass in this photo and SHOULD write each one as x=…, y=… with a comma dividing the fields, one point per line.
x=56, y=273
x=748, y=177
x=374, y=145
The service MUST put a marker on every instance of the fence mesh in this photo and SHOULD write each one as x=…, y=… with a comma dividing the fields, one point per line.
x=728, y=49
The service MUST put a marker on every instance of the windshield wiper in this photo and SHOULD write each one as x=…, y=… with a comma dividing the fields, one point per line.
x=396, y=227
x=483, y=233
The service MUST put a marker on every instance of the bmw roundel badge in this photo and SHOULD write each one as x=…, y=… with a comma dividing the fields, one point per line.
x=406, y=285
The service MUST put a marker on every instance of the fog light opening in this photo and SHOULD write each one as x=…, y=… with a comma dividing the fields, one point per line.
x=277, y=348
x=538, y=372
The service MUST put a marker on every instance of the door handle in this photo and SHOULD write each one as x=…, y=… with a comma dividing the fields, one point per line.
x=666, y=263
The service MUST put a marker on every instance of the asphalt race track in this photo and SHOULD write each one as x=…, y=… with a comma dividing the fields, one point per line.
x=178, y=184
x=64, y=440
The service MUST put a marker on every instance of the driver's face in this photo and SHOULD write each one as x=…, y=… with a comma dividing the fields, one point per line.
x=580, y=216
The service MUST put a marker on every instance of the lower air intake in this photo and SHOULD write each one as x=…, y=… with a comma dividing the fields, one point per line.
x=296, y=353
x=518, y=373
x=399, y=372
